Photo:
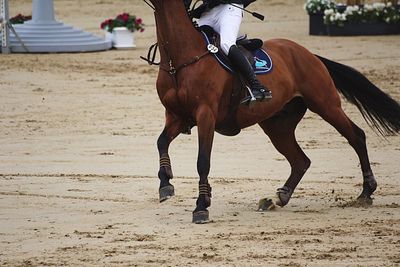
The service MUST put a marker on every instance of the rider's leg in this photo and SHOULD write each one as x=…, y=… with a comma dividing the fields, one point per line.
x=244, y=67
x=229, y=26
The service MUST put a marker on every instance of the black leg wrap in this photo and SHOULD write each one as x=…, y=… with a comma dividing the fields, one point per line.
x=204, y=200
x=201, y=214
x=165, y=161
x=166, y=190
x=283, y=196
x=205, y=189
x=165, y=172
x=369, y=184
x=369, y=187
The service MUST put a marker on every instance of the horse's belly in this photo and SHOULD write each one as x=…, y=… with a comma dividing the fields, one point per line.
x=228, y=131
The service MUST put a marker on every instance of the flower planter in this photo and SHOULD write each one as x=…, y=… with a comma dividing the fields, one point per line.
x=352, y=29
x=317, y=27
x=122, y=38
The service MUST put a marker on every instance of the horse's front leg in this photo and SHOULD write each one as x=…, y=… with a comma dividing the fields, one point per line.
x=173, y=126
x=206, y=125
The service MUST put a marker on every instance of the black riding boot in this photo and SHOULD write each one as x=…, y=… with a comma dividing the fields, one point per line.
x=243, y=66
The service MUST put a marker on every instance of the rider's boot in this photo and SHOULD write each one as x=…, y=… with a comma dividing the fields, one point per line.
x=243, y=66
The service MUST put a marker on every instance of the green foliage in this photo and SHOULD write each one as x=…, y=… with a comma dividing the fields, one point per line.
x=19, y=19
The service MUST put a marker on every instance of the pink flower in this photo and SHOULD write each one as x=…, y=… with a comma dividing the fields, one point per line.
x=125, y=17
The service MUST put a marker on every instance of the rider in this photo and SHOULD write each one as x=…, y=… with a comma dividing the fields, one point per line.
x=225, y=18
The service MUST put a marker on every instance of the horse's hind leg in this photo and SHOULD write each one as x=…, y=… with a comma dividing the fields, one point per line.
x=281, y=131
x=173, y=126
x=334, y=115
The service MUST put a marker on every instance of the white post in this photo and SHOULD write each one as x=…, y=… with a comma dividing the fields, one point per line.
x=43, y=11
x=4, y=16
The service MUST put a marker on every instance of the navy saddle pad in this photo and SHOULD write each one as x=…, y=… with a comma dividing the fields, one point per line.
x=262, y=63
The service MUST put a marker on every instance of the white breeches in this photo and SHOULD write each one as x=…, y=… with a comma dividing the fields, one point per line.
x=224, y=19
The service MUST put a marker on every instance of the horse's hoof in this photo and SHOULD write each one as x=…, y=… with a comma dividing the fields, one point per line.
x=200, y=217
x=364, y=201
x=166, y=192
x=266, y=204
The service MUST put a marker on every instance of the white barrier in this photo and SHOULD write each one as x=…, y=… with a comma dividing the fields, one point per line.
x=45, y=34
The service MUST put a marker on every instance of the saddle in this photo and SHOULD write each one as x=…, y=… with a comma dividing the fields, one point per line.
x=251, y=48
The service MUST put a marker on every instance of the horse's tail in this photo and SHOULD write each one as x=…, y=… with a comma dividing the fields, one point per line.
x=378, y=109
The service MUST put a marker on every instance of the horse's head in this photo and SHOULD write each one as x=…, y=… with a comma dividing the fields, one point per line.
x=172, y=18
x=162, y=4
x=177, y=37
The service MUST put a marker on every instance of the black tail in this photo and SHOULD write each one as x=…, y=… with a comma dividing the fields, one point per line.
x=378, y=109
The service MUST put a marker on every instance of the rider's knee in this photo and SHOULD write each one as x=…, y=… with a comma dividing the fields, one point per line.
x=225, y=46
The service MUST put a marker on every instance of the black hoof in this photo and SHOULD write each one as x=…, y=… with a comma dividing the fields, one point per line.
x=266, y=204
x=200, y=217
x=364, y=201
x=166, y=192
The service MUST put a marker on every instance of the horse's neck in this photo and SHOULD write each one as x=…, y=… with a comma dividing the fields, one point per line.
x=178, y=39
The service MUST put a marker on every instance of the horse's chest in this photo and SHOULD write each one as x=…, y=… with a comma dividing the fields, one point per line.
x=175, y=100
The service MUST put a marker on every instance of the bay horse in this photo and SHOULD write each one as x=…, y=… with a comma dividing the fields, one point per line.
x=196, y=91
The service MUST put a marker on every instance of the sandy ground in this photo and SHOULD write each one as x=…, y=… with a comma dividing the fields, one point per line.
x=78, y=162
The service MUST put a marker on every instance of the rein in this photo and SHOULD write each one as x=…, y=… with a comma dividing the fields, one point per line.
x=174, y=70
x=152, y=7
x=151, y=58
x=171, y=69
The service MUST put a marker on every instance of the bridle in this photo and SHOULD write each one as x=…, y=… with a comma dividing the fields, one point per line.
x=170, y=68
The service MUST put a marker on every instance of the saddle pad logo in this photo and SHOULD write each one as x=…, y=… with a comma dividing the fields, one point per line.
x=262, y=62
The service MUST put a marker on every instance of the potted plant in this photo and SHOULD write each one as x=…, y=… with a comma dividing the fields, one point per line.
x=315, y=10
x=120, y=30
x=355, y=18
x=368, y=19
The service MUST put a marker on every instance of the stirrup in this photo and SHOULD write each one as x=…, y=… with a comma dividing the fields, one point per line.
x=264, y=94
x=256, y=95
